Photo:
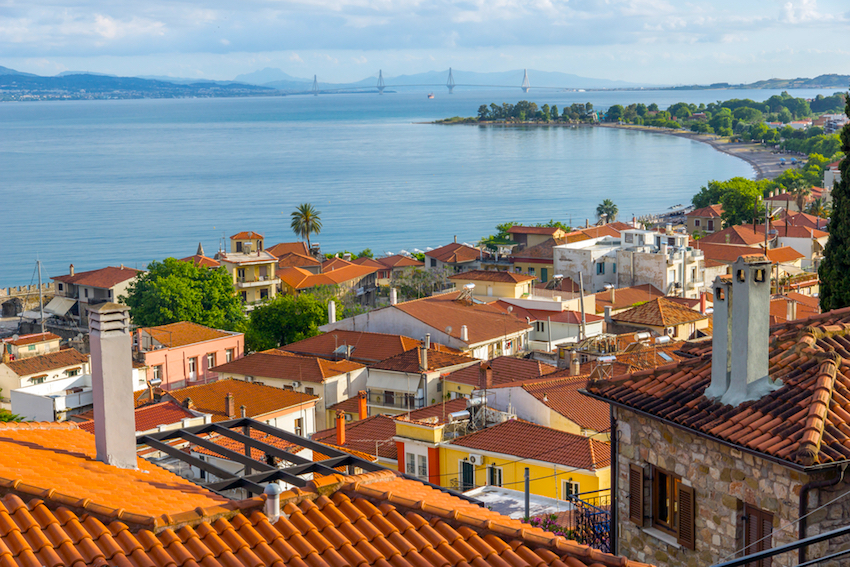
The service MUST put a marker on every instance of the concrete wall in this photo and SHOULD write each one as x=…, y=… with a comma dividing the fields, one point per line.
x=175, y=361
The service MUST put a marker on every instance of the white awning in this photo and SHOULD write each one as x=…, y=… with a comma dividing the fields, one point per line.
x=59, y=305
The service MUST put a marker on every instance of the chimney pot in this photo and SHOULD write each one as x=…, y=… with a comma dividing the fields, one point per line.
x=271, y=508
x=393, y=296
x=230, y=405
x=340, y=428
x=485, y=372
x=464, y=333
x=423, y=359
x=187, y=403
x=608, y=319
x=703, y=302
x=427, y=340
x=243, y=411
x=575, y=365
x=790, y=310
x=331, y=311
x=455, y=238
x=362, y=405
x=72, y=269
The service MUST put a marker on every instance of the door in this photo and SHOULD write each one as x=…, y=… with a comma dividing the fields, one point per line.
x=467, y=476
x=544, y=275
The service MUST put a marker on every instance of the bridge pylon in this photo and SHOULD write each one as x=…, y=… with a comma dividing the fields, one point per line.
x=526, y=85
x=381, y=84
x=315, y=86
x=450, y=84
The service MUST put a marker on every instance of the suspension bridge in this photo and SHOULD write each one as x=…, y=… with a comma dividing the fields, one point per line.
x=450, y=84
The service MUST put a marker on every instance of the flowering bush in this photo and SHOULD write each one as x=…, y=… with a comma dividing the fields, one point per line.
x=548, y=523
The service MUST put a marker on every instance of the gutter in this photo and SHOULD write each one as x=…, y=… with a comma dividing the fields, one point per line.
x=615, y=474
x=801, y=514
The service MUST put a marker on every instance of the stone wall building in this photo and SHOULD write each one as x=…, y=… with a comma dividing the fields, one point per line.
x=720, y=455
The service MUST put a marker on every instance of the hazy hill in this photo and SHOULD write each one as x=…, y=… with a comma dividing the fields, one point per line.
x=820, y=82
x=7, y=71
x=269, y=75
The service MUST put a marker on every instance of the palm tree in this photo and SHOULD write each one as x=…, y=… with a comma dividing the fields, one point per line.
x=306, y=221
x=819, y=208
x=607, y=210
x=800, y=190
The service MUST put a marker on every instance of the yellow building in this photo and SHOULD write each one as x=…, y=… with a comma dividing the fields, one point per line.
x=491, y=283
x=559, y=463
x=252, y=268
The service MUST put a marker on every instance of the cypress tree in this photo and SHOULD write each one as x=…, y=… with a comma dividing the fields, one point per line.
x=834, y=271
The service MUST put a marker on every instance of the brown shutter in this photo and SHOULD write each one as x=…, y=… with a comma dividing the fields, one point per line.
x=687, y=529
x=766, y=533
x=636, y=494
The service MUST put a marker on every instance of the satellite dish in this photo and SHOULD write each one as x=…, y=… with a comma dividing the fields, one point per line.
x=15, y=337
x=449, y=330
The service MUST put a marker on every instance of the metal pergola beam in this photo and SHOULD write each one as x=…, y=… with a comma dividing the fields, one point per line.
x=228, y=454
x=794, y=545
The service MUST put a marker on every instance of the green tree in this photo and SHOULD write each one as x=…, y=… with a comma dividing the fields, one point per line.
x=483, y=112
x=741, y=200
x=652, y=107
x=607, y=210
x=284, y=320
x=172, y=291
x=306, y=220
x=365, y=253
x=615, y=113
x=834, y=270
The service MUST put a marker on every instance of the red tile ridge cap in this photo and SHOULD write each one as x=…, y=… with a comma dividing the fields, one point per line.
x=19, y=425
x=810, y=442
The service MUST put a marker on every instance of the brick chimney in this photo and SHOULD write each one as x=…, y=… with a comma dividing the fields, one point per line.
x=362, y=405
x=230, y=405
x=340, y=428
x=112, y=384
x=187, y=403
x=741, y=333
x=485, y=374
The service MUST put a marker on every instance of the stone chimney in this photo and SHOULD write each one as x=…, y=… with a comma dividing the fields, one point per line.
x=331, y=311
x=340, y=428
x=112, y=384
x=229, y=405
x=741, y=327
x=71, y=269
x=464, y=333
x=362, y=405
x=575, y=365
x=393, y=296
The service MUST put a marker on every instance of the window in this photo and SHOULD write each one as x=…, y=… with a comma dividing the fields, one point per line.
x=614, y=268
x=389, y=397
x=600, y=268
x=39, y=380
x=540, y=326
x=629, y=238
x=411, y=463
x=544, y=274
x=228, y=355
x=466, y=472
x=264, y=294
x=31, y=347
x=308, y=391
x=109, y=293
x=494, y=475
x=73, y=372
x=696, y=222
x=517, y=270
x=85, y=292
x=211, y=360
x=244, y=296
x=672, y=504
x=693, y=274
x=710, y=225
x=157, y=372
x=433, y=263
x=299, y=426
x=422, y=467
x=568, y=488
x=193, y=368
x=530, y=271
x=239, y=247
x=240, y=273
x=60, y=287
x=758, y=527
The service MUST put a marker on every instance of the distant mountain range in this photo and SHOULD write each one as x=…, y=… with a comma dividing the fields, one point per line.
x=820, y=82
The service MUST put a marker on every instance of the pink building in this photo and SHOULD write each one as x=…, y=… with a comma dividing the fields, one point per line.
x=181, y=354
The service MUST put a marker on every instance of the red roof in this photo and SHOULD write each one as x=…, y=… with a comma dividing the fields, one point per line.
x=742, y=235
x=410, y=361
x=23, y=340
x=250, y=235
x=298, y=278
x=287, y=366
x=569, y=317
x=505, y=369
x=367, y=347
x=372, y=263
x=296, y=260
x=259, y=400
x=550, y=230
x=493, y=276
x=531, y=441
x=715, y=211
x=365, y=435
x=185, y=333
x=283, y=248
x=660, y=312
x=46, y=362
x=729, y=253
x=202, y=261
x=454, y=253
x=625, y=297
x=562, y=395
x=399, y=261
x=435, y=414
x=801, y=423
x=104, y=278
x=150, y=416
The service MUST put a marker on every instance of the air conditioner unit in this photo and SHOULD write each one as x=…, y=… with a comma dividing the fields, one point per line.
x=476, y=459
x=296, y=384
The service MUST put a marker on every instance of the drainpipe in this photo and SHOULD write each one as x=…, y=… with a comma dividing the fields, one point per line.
x=615, y=475
x=804, y=493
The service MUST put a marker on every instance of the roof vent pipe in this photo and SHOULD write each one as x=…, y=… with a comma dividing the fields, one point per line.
x=271, y=508
x=423, y=359
x=393, y=296
x=340, y=428
x=464, y=333
x=427, y=340
x=331, y=311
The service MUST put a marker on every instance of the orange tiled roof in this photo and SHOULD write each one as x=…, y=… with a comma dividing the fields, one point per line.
x=287, y=366
x=365, y=435
x=550, y=230
x=293, y=260
x=371, y=262
x=410, y=361
x=483, y=322
x=562, y=395
x=627, y=296
x=779, y=309
x=368, y=347
x=184, y=333
x=542, y=251
x=297, y=278
x=566, y=284
x=505, y=369
x=454, y=253
x=660, y=312
x=493, y=276
x=792, y=231
x=801, y=219
x=375, y=519
x=399, y=261
x=604, y=230
x=250, y=235
x=531, y=441
x=24, y=340
x=742, y=235
x=56, y=462
x=715, y=211
x=729, y=253
x=147, y=417
x=202, y=261
x=47, y=362
x=284, y=248
x=258, y=400
x=104, y=278
x=802, y=422
x=570, y=317
x=335, y=264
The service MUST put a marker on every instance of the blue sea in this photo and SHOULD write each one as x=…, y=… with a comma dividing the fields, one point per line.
x=98, y=183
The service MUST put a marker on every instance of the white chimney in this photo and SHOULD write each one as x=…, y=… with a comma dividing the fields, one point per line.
x=427, y=340
x=464, y=333
x=271, y=507
x=790, y=310
x=112, y=385
x=331, y=311
x=575, y=365
x=608, y=319
x=741, y=333
x=393, y=296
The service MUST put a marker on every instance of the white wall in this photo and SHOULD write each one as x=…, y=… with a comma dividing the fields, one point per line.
x=520, y=402
x=287, y=421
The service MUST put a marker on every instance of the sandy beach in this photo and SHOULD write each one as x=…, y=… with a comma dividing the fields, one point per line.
x=764, y=161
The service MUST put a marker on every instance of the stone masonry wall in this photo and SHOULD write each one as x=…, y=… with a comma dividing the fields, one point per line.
x=723, y=479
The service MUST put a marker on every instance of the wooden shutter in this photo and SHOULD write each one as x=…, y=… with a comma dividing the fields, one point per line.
x=766, y=536
x=636, y=494
x=758, y=527
x=687, y=530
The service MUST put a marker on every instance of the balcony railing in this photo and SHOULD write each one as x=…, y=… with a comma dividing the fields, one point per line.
x=399, y=400
x=590, y=520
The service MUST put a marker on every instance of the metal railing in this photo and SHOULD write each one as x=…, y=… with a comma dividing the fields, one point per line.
x=590, y=520
x=397, y=400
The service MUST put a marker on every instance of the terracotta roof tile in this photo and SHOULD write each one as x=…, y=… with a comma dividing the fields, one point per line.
x=184, y=333
x=660, y=312
x=807, y=355
x=399, y=261
x=715, y=211
x=570, y=317
x=296, y=261
x=259, y=400
x=531, y=441
x=562, y=395
x=742, y=235
x=542, y=251
x=46, y=362
x=284, y=365
x=365, y=435
x=202, y=261
x=411, y=361
x=147, y=417
x=454, y=253
x=283, y=248
x=370, y=520
x=550, y=230
x=625, y=297
x=492, y=276
x=104, y=278
x=249, y=235
x=298, y=278
x=505, y=369
x=729, y=253
x=23, y=340
x=367, y=348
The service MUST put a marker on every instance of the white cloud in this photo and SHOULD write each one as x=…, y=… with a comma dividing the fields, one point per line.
x=803, y=11
x=295, y=57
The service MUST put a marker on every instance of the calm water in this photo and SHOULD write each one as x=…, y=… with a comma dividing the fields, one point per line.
x=99, y=183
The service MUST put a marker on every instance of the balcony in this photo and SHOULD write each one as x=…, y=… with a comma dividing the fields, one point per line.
x=261, y=281
x=397, y=400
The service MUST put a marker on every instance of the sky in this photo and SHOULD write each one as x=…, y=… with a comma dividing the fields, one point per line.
x=640, y=41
